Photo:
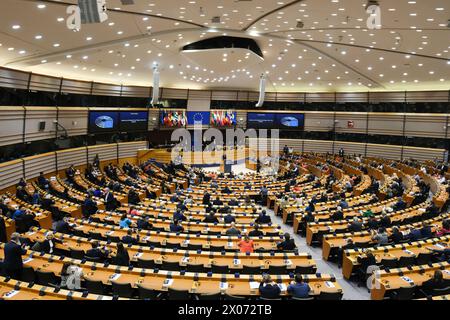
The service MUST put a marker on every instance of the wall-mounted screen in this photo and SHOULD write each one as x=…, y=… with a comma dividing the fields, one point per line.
x=103, y=121
x=173, y=118
x=260, y=120
x=220, y=118
x=294, y=121
x=198, y=118
x=133, y=121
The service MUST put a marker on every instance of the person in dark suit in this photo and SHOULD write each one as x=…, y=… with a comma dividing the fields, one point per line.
x=229, y=218
x=288, y=243
x=96, y=252
x=206, y=198
x=2, y=228
x=110, y=200
x=233, y=203
x=48, y=245
x=426, y=231
x=178, y=215
x=12, y=263
x=437, y=282
x=176, y=227
x=43, y=181
x=211, y=218
x=63, y=226
x=70, y=173
x=133, y=197
x=142, y=223
x=414, y=235
x=356, y=225
x=263, y=218
x=385, y=221
x=269, y=289
x=367, y=261
x=396, y=235
x=129, y=239
x=217, y=202
x=337, y=215
x=90, y=207
x=255, y=232
x=122, y=257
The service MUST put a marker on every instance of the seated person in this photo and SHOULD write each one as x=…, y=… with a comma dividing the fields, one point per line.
x=298, y=288
x=142, y=223
x=246, y=245
x=287, y=244
x=63, y=226
x=211, y=218
x=356, y=225
x=337, y=215
x=380, y=237
x=396, y=235
x=233, y=231
x=426, y=231
x=48, y=245
x=445, y=228
x=129, y=239
x=437, y=282
x=385, y=221
x=414, y=235
x=97, y=252
x=233, y=202
x=124, y=221
x=229, y=218
x=268, y=289
x=263, y=218
x=256, y=232
x=178, y=215
x=176, y=227
x=217, y=202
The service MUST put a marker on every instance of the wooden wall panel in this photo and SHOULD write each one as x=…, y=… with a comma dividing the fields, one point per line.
x=11, y=125
x=10, y=173
x=74, y=120
x=430, y=126
x=319, y=121
x=34, y=115
x=386, y=123
x=42, y=163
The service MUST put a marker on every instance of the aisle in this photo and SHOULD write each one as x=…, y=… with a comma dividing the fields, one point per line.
x=351, y=290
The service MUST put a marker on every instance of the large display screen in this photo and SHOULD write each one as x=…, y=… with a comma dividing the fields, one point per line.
x=173, y=118
x=133, y=121
x=103, y=121
x=292, y=121
x=288, y=121
x=198, y=118
x=221, y=118
x=260, y=120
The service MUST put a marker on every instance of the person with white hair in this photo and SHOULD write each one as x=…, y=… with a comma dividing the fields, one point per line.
x=13, y=252
x=233, y=231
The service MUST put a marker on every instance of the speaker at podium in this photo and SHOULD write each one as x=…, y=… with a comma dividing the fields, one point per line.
x=225, y=167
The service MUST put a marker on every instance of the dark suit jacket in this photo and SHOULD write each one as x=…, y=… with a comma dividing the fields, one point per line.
x=13, y=256
x=269, y=291
x=263, y=219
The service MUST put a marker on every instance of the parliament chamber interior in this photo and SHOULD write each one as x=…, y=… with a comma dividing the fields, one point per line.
x=248, y=151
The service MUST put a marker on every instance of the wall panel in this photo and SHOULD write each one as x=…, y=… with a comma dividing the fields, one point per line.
x=319, y=121
x=74, y=120
x=11, y=124
x=430, y=126
x=76, y=157
x=42, y=163
x=386, y=124
x=10, y=173
x=35, y=115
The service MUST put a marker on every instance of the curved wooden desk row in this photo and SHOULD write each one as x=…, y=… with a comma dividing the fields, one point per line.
x=339, y=226
x=200, y=283
x=181, y=239
x=407, y=250
x=353, y=210
x=44, y=218
x=394, y=279
x=11, y=289
x=335, y=241
x=234, y=261
x=190, y=227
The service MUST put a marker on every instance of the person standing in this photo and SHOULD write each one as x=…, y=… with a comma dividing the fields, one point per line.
x=14, y=251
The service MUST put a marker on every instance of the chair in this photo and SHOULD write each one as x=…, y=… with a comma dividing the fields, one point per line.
x=217, y=248
x=147, y=293
x=303, y=299
x=277, y=270
x=423, y=258
x=170, y=266
x=123, y=290
x=146, y=264
x=219, y=269
x=93, y=259
x=46, y=278
x=406, y=261
x=329, y=296
x=95, y=287
x=405, y=293
x=79, y=233
x=195, y=247
x=251, y=270
x=95, y=235
x=269, y=299
x=170, y=245
x=305, y=269
x=210, y=296
x=113, y=239
x=178, y=294
x=441, y=292
x=76, y=254
x=28, y=274
x=234, y=298
x=388, y=263
x=195, y=268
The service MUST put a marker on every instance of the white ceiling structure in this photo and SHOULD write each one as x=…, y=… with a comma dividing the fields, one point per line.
x=333, y=51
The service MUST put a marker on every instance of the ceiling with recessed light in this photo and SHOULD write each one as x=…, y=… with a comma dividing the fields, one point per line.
x=308, y=45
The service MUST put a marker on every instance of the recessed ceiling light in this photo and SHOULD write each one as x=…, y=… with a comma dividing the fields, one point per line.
x=41, y=6
x=16, y=27
x=38, y=37
x=60, y=19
